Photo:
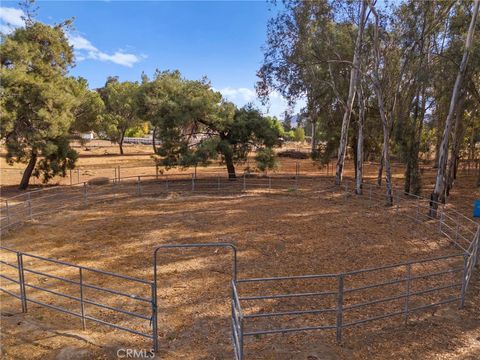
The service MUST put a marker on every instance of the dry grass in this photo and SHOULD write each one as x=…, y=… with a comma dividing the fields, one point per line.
x=277, y=234
x=282, y=234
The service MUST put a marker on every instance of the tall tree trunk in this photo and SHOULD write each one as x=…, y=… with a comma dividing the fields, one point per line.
x=415, y=180
x=154, y=145
x=457, y=139
x=381, y=107
x=120, y=143
x=361, y=122
x=314, y=136
x=443, y=151
x=230, y=166
x=354, y=151
x=380, y=168
x=28, y=171
x=342, y=149
x=386, y=152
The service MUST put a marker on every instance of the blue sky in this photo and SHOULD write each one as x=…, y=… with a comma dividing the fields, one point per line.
x=220, y=40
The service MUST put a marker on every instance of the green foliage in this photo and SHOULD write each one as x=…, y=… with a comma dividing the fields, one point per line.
x=266, y=159
x=57, y=157
x=88, y=106
x=194, y=125
x=139, y=131
x=121, y=109
x=299, y=134
x=38, y=103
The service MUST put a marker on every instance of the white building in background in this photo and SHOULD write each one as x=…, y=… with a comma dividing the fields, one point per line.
x=87, y=136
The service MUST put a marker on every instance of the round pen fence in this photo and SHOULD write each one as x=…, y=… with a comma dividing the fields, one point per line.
x=329, y=302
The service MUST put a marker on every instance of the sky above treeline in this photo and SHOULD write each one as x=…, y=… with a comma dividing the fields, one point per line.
x=221, y=40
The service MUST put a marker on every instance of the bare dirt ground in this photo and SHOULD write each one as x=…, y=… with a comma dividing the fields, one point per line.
x=276, y=234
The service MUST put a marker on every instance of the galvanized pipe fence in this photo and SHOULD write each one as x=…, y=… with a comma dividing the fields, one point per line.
x=24, y=207
x=38, y=277
x=335, y=301
x=337, y=306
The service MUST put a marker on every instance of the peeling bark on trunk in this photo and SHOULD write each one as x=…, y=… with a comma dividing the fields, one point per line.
x=380, y=170
x=412, y=176
x=361, y=122
x=457, y=138
x=381, y=107
x=28, y=171
x=342, y=149
x=443, y=151
x=386, y=154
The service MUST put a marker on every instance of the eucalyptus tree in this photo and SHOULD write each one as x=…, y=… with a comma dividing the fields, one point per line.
x=443, y=150
x=305, y=57
x=352, y=90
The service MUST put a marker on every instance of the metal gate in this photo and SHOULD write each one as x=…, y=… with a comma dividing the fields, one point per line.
x=180, y=246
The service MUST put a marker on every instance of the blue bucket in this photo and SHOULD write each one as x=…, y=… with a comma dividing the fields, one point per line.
x=476, y=208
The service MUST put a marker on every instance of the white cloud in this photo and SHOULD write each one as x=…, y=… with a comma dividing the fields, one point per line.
x=84, y=49
x=80, y=43
x=276, y=106
x=10, y=18
x=236, y=94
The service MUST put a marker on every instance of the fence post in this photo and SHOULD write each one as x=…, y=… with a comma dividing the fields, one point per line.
x=115, y=175
x=457, y=228
x=139, y=188
x=78, y=176
x=193, y=182
x=21, y=280
x=464, y=281
x=244, y=182
x=297, y=172
x=156, y=171
x=269, y=183
x=30, y=206
x=85, y=194
x=118, y=173
x=418, y=209
x=398, y=201
x=8, y=212
x=339, y=308
x=154, y=317
x=440, y=221
x=407, y=295
x=82, y=304
x=370, y=195
x=240, y=340
x=71, y=180
x=478, y=246
x=166, y=182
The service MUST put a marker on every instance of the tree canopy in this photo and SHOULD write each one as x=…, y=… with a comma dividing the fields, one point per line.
x=195, y=125
x=407, y=60
x=40, y=105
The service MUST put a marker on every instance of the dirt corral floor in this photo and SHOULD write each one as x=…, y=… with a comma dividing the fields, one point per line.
x=280, y=234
